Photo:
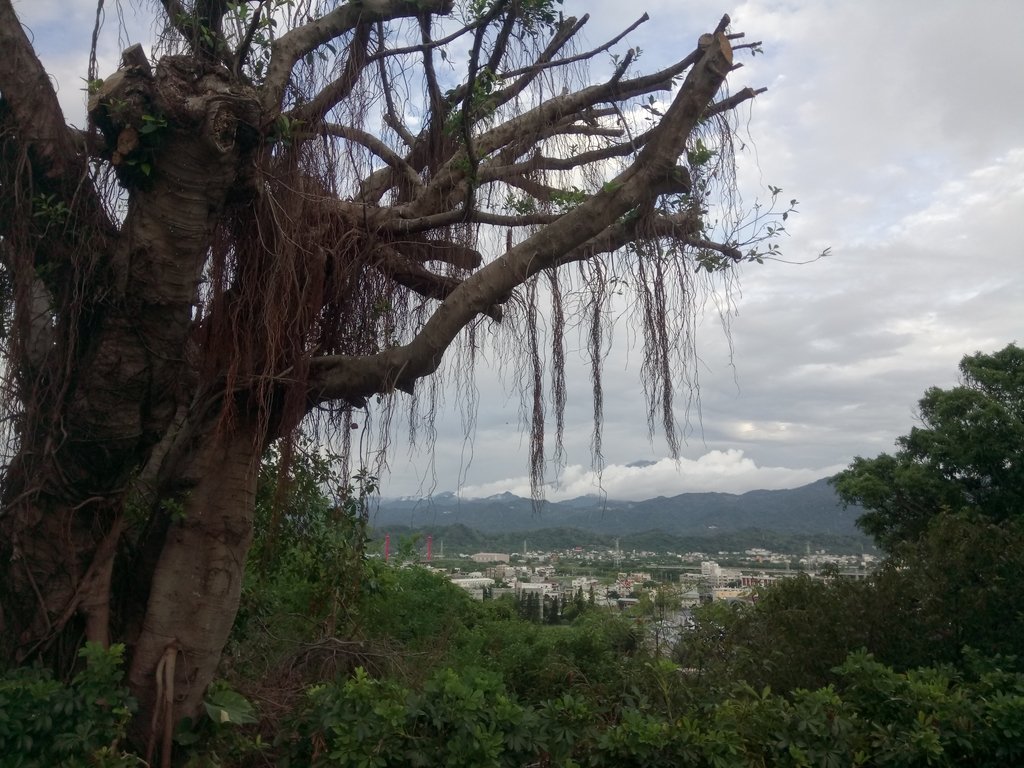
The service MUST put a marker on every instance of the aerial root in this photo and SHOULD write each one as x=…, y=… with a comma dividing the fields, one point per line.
x=164, y=706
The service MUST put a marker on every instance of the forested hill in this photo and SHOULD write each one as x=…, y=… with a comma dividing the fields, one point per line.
x=813, y=508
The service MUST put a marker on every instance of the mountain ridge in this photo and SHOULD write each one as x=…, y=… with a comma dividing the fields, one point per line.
x=812, y=508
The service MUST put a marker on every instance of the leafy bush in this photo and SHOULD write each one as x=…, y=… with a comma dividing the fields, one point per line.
x=597, y=654
x=456, y=720
x=45, y=723
x=420, y=609
x=873, y=716
x=935, y=716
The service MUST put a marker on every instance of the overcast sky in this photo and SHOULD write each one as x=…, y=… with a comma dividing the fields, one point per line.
x=898, y=128
x=897, y=125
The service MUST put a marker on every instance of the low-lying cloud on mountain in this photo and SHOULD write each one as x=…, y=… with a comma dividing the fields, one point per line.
x=811, y=510
x=725, y=471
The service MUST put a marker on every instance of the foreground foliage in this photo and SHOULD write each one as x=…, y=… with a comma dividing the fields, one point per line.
x=644, y=711
x=44, y=722
x=871, y=716
x=956, y=589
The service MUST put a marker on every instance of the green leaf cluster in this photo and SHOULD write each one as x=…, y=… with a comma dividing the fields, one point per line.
x=306, y=562
x=458, y=720
x=532, y=15
x=955, y=589
x=872, y=716
x=45, y=722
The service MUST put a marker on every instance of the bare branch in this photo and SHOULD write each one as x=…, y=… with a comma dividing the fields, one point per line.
x=726, y=249
x=332, y=94
x=535, y=121
x=419, y=48
x=680, y=227
x=569, y=29
x=246, y=44
x=501, y=43
x=468, y=107
x=542, y=126
x=449, y=217
x=424, y=250
x=347, y=376
x=535, y=125
x=581, y=56
x=533, y=188
x=415, y=277
x=538, y=162
x=58, y=153
x=589, y=130
x=200, y=27
x=293, y=45
x=28, y=92
x=391, y=114
x=427, y=146
x=734, y=101
x=372, y=143
x=622, y=66
x=434, y=97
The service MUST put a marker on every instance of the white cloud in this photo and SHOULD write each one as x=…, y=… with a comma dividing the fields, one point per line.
x=725, y=471
x=61, y=31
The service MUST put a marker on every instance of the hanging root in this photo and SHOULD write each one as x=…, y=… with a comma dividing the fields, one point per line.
x=164, y=706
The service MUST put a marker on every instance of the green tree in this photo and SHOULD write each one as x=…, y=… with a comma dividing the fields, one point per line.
x=534, y=607
x=552, y=606
x=305, y=566
x=456, y=720
x=958, y=587
x=968, y=454
x=951, y=594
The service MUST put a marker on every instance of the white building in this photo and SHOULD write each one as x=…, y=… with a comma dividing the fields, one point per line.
x=541, y=588
x=470, y=583
x=489, y=557
x=584, y=583
x=715, y=576
x=475, y=584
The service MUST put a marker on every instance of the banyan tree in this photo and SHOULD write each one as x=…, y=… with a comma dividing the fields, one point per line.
x=289, y=209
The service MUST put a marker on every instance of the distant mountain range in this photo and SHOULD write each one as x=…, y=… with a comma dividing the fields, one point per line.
x=811, y=509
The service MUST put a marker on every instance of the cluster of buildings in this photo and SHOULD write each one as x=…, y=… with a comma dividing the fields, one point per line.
x=703, y=582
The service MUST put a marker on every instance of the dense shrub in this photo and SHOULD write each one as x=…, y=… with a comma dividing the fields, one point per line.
x=873, y=716
x=46, y=723
x=455, y=720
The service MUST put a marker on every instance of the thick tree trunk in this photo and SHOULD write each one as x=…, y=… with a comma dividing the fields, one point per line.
x=120, y=366
x=197, y=581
